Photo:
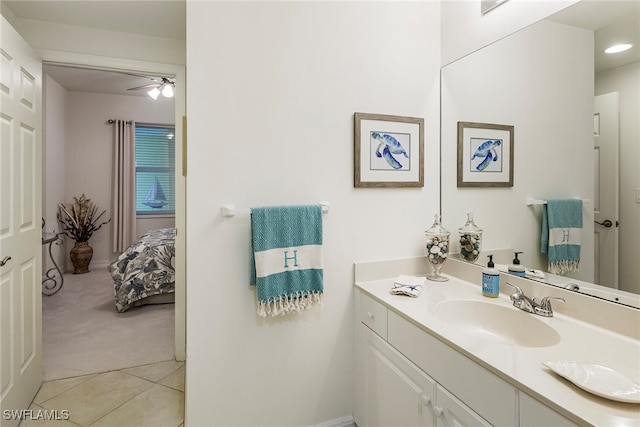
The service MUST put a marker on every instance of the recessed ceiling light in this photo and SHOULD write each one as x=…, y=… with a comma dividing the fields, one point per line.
x=618, y=48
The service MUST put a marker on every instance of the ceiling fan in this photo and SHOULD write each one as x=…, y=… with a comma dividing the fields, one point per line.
x=162, y=85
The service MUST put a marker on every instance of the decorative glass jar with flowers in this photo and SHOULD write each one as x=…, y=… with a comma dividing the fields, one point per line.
x=79, y=221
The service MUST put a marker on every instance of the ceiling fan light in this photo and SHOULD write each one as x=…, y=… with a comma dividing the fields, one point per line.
x=167, y=91
x=153, y=93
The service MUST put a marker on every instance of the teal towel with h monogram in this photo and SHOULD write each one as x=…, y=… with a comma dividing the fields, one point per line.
x=561, y=234
x=286, y=258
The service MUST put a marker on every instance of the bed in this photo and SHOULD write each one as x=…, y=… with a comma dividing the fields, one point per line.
x=144, y=273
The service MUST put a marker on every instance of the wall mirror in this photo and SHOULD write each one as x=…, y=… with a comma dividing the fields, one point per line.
x=545, y=80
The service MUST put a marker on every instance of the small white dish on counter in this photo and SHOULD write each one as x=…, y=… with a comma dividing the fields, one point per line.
x=597, y=379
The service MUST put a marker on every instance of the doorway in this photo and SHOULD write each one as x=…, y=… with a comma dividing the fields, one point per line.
x=77, y=46
x=606, y=189
x=98, y=103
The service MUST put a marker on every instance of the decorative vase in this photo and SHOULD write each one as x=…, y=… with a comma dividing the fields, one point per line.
x=470, y=240
x=437, y=249
x=81, y=255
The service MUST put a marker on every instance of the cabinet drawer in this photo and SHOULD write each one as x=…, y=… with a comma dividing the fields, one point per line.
x=490, y=396
x=374, y=315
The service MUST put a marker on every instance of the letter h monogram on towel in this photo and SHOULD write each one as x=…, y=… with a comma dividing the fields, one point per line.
x=286, y=258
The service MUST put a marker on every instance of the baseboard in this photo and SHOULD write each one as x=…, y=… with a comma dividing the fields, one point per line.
x=98, y=265
x=338, y=422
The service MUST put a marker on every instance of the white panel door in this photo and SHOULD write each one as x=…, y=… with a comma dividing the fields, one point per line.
x=20, y=222
x=605, y=132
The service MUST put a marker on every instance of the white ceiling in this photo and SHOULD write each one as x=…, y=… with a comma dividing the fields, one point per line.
x=611, y=20
x=98, y=81
x=156, y=18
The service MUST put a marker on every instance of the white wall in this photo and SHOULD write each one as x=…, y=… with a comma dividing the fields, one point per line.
x=465, y=29
x=54, y=164
x=272, y=91
x=539, y=80
x=43, y=36
x=144, y=224
x=89, y=153
x=626, y=81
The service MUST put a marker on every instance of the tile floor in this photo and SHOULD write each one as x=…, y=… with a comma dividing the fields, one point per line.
x=142, y=396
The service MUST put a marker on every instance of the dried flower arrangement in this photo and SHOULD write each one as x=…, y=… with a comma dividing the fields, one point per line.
x=80, y=220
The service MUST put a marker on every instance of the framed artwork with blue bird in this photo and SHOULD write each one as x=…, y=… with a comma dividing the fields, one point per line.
x=388, y=151
x=485, y=155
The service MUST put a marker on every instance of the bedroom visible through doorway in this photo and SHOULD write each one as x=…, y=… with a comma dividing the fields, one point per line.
x=77, y=160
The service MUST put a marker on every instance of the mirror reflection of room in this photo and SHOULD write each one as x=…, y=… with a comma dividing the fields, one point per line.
x=547, y=80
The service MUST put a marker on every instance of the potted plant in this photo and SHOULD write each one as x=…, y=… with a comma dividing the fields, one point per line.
x=79, y=223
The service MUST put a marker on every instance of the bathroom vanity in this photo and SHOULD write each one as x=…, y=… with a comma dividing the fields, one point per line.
x=452, y=357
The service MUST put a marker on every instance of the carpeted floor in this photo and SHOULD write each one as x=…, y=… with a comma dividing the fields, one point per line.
x=83, y=333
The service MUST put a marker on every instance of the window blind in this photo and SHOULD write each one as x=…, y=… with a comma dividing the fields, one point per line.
x=155, y=169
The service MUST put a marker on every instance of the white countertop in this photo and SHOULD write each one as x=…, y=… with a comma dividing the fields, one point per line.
x=522, y=366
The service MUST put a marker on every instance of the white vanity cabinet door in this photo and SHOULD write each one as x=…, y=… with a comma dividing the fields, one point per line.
x=451, y=412
x=395, y=392
x=484, y=392
x=536, y=414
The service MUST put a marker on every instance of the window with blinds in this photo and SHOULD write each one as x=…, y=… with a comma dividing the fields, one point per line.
x=155, y=169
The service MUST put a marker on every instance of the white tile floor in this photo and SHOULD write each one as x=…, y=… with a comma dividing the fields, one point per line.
x=142, y=396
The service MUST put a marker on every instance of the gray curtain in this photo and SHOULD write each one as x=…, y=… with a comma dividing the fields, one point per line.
x=124, y=185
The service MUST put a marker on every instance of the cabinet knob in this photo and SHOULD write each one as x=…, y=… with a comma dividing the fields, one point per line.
x=370, y=314
x=438, y=410
x=426, y=400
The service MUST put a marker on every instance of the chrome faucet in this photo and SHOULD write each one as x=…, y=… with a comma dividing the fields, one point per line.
x=544, y=309
x=524, y=303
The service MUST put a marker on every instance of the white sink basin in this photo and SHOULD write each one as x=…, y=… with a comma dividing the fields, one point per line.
x=497, y=322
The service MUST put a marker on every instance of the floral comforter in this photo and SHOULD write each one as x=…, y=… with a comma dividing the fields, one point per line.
x=145, y=269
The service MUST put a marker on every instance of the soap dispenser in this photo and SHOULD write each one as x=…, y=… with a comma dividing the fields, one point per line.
x=490, y=280
x=515, y=268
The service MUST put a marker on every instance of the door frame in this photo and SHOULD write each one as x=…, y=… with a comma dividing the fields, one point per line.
x=608, y=237
x=179, y=71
